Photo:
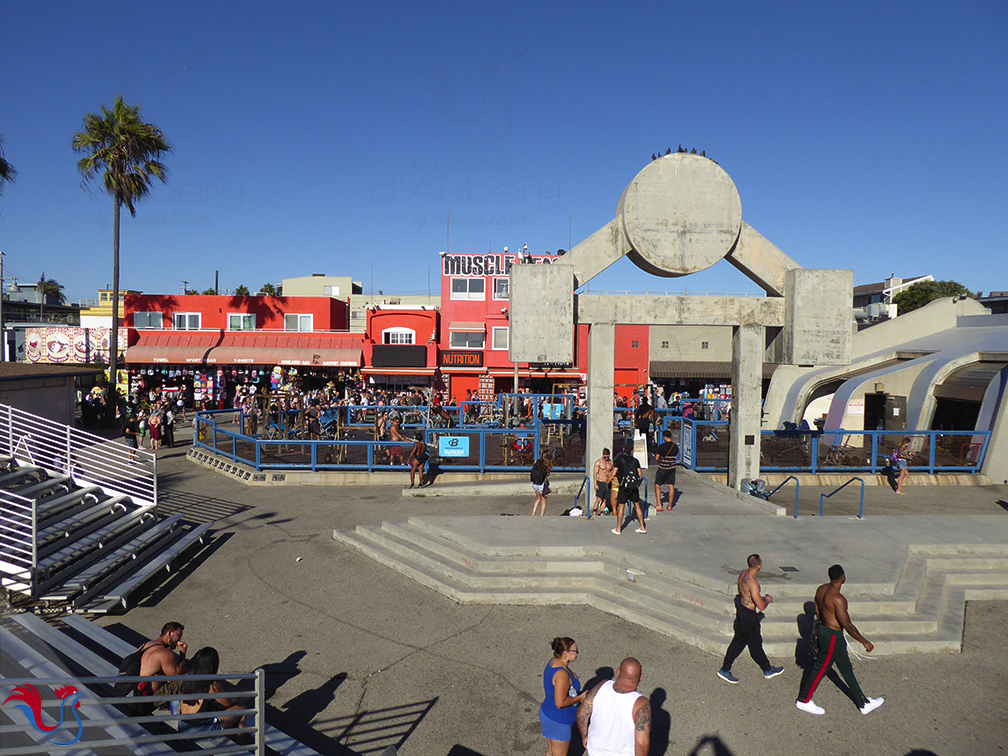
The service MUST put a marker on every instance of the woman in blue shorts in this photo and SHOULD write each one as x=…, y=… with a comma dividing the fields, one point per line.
x=562, y=695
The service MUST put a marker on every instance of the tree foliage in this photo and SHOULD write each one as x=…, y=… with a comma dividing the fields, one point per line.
x=50, y=290
x=209, y=292
x=241, y=290
x=921, y=293
x=118, y=146
x=268, y=289
x=7, y=172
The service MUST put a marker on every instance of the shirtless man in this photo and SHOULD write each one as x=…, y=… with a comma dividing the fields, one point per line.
x=831, y=609
x=395, y=434
x=602, y=474
x=749, y=606
x=160, y=658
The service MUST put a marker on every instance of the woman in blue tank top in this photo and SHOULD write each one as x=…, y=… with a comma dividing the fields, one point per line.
x=562, y=695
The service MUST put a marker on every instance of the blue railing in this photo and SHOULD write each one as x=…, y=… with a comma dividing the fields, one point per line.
x=823, y=497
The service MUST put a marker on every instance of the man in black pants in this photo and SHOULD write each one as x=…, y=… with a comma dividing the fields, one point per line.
x=749, y=606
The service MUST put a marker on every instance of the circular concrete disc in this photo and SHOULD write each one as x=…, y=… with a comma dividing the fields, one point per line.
x=681, y=214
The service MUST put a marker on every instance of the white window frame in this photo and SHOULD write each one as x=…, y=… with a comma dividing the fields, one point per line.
x=470, y=284
x=466, y=345
x=496, y=333
x=241, y=323
x=399, y=336
x=148, y=318
x=504, y=283
x=300, y=322
x=187, y=316
x=331, y=291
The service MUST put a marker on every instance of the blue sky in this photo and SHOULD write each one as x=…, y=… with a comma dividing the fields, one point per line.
x=336, y=138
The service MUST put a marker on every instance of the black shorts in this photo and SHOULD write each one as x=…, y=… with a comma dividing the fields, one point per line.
x=664, y=478
x=602, y=490
x=626, y=495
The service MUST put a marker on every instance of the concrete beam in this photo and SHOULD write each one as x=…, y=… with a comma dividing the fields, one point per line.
x=747, y=376
x=596, y=253
x=761, y=261
x=680, y=310
x=601, y=377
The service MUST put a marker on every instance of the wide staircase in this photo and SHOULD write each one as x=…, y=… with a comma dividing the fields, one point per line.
x=918, y=608
x=79, y=521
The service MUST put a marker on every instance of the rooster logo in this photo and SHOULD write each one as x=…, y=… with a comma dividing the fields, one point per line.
x=32, y=707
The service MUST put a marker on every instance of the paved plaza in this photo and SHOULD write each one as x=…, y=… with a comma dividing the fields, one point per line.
x=360, y=657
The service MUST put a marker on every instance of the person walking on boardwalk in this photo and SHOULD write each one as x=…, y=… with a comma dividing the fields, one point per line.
x=749, y=606
x=831, y=610
x=615, y=719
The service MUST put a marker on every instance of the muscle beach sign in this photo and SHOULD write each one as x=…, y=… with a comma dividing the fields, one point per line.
x=473, y=266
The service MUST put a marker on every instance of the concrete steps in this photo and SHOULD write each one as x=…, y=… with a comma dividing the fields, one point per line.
x=920, y=609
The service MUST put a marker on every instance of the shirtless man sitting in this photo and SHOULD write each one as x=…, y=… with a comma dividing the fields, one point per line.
x=160, y=658
x=831, y=609
x=395, y=434
x=749, y=606
x=602, y=474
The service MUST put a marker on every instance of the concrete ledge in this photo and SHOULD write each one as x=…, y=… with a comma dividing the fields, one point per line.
x=832, y=479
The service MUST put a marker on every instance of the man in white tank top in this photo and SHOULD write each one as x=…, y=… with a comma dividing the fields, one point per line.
x=615, y=720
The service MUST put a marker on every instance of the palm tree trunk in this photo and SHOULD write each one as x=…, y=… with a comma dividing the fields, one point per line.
x=114, y=333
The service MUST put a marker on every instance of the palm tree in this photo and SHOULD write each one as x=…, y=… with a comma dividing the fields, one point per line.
x=268, y=289
x=49, y=289
x=7, y=172
x=127, y=153
x=242, y=291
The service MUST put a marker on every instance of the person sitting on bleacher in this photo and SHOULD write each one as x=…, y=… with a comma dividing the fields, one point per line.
x=160, y=658
x=206, y=661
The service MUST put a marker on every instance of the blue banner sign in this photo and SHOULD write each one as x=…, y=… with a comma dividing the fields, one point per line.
x=453, y=446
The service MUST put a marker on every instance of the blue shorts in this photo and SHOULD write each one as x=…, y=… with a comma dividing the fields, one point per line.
x=555, y=730
x=901, y=464
x=211, y=724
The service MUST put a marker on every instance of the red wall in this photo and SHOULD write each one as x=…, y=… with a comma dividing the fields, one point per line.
x=328, y=314
x=422, y=322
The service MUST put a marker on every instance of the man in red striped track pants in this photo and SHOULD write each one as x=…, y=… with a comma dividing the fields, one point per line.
x=831, y=607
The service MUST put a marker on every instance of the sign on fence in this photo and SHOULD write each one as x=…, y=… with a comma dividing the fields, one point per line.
x=453, y=446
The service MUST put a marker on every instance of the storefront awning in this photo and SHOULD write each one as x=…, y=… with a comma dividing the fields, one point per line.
x=471, y=327
x=245, y=348
x=398, y=371
x=699, y=369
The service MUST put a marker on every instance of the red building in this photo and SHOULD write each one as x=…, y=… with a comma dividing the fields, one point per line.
x=400, y=346
x=209, y=345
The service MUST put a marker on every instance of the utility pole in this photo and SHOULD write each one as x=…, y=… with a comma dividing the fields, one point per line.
x=185, y=287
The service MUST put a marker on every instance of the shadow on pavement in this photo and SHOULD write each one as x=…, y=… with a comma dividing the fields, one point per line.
x=717, y=747
x=661, y=723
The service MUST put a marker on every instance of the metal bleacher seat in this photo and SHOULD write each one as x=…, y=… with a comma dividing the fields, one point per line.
x=37, y=664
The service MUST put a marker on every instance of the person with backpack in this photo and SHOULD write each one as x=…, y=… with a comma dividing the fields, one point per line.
x=628, y=473
x=540, y=480
x=665, y=477
x=164, y=655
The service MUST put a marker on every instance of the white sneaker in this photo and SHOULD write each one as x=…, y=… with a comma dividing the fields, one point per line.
x=873, y=703
x=810, y=707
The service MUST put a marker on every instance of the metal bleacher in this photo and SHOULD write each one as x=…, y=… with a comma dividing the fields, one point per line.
x=87, y=656
x=79, y=521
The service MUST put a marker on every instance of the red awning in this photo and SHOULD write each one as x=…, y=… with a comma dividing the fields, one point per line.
x=246, y=348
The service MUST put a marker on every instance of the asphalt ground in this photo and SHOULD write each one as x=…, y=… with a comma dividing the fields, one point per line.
x=360, y=657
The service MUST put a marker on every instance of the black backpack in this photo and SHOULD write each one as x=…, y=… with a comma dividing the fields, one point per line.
x=632, y=480
x=537, y=475
x=130, y=667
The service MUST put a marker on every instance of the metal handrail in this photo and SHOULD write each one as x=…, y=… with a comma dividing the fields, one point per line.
x=19, y=538
x=823, y=497
x=586, y=481
x=85, y=697
x=797, y=485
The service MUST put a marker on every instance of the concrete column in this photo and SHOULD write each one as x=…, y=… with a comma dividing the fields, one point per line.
x=601, y=377
x=747, y=378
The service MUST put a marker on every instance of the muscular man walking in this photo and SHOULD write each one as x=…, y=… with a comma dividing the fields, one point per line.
x=614, y=719
x=831, y=609
x=602, y=474
x=749, y=606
